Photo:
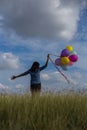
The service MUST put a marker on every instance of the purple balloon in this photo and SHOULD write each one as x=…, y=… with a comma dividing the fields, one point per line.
x=73, y=58
x=65, y=52
x=58, y=62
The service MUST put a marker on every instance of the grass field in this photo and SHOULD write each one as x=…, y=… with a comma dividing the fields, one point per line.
x=47, y=112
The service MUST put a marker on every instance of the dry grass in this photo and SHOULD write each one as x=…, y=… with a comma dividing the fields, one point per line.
x=47, y=112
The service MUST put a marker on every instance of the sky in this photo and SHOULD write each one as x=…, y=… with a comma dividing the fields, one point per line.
x=29, y=30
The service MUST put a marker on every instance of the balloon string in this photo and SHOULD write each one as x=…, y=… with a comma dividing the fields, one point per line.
x=54, y=55
x=60, y=71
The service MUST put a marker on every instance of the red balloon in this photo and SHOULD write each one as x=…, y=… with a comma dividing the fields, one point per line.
x=73, y=58
x=58, y=61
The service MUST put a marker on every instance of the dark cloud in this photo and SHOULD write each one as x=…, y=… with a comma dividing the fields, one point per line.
x=41, y=18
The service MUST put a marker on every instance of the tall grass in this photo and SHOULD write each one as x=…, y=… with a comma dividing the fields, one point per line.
x=47, y=112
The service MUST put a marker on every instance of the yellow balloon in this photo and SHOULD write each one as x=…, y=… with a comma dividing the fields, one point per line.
x=65, y=61
x=69, y=48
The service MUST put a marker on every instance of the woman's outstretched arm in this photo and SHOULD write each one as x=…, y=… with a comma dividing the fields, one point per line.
x=20, y=75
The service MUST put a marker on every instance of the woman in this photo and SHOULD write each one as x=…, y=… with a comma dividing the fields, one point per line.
x=34, y=71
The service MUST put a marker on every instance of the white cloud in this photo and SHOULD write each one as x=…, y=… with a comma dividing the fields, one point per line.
x=19, y=86
x=8, y=61
x=4, y=88
x=56, y=83
x=42, y=18
x=45, y=76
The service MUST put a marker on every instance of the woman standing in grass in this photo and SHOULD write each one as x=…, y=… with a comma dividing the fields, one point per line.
x=34, y=71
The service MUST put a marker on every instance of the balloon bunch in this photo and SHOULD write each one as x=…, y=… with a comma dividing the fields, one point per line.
x=67, y=58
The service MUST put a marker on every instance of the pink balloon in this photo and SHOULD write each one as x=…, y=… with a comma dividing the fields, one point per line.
x=58, y=62
x=64, y=53
x=71, y=63
x=73, y=58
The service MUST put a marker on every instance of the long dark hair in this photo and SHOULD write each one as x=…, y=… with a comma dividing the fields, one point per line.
x=34, y=66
